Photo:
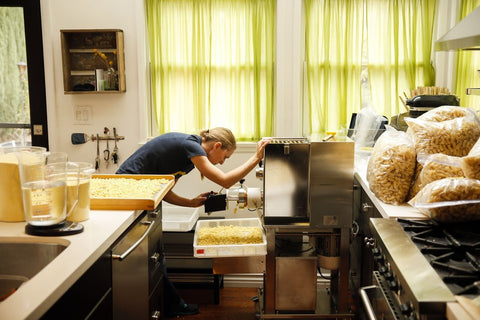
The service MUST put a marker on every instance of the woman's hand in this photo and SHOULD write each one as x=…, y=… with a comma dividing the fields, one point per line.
x=199, y=200
x=261, y=147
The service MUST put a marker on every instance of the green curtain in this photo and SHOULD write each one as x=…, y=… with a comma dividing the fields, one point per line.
x=391, y=39
x=212, y=65
x=468, y=62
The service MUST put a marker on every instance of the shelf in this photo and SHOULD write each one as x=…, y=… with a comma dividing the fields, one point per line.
x=80, y=62
x=473, y=91
x=82, y=73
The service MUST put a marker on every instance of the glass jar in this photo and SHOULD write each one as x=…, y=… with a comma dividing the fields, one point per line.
x=111, y=79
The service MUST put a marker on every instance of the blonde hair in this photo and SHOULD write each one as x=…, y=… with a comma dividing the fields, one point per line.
x=222, y=135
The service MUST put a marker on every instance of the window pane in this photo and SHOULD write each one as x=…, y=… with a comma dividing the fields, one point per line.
x=14, y=102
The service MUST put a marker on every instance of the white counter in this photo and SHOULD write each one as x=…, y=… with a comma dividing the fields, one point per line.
x=405, y=210
x=38, y=294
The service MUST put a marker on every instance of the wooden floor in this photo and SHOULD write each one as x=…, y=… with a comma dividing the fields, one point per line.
x=235, y=304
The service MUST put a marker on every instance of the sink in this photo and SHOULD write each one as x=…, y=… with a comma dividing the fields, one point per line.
x=23, y=258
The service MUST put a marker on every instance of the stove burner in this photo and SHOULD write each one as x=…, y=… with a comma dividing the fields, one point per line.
x=453, y=251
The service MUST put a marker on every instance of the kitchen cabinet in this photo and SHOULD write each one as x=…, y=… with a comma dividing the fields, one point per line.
x=80, y=61
x=90, y=297
x=361, y=254
x=120, y=286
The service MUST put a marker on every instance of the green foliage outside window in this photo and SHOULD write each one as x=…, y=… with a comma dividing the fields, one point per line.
x=14, y=104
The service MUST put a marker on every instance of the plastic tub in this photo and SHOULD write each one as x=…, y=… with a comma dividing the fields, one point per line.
x=240, y=250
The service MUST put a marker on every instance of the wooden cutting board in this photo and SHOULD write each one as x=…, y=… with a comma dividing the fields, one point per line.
x=133, y=203
x=471, y=308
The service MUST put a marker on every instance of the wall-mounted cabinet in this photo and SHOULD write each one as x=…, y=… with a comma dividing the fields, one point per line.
x=89, y=58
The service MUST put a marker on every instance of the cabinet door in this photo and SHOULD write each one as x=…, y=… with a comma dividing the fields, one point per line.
x=90, y=296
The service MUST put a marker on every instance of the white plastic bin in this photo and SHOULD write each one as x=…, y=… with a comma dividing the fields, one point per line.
x=240, y=250
x=179, y=219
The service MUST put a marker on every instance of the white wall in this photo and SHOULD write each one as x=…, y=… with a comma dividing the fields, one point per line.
x=125, y=111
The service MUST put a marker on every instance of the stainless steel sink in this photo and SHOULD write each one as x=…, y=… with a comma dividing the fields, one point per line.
x=23, y=259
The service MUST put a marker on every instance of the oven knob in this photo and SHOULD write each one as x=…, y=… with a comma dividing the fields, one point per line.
x=393, y=285
x=388, y=275
x=406, y=308
x=369, y=242
x=382, y=269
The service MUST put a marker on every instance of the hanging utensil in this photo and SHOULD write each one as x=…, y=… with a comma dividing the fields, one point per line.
x=79, y=138
x=115, y=148
x=106, y=152
x=97, y=159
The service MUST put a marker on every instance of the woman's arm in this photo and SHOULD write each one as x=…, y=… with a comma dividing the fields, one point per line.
x=228, y=179
x=173, y=198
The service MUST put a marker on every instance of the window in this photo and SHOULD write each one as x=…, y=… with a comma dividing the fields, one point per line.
x=22, y=98
x=389, y=41
x=212, y=65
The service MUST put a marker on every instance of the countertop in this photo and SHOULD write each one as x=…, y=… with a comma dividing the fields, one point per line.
x=38, y=294
x=388, y=211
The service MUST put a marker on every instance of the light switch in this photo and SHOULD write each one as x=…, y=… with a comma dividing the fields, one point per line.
x=82, y=114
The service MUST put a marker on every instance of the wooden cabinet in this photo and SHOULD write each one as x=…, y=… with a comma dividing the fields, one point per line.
x=80, y=59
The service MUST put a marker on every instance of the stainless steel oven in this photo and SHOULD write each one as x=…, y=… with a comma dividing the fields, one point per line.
x=137, y=278
x=420, y=267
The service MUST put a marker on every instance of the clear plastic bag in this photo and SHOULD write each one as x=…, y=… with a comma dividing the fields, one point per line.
x=432, y=167
x=367, y=124
x=471, y=162
x=448, y=129
x=450, y=200
x=391, y=166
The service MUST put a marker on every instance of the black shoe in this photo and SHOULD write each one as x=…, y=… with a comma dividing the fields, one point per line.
x=185, y=310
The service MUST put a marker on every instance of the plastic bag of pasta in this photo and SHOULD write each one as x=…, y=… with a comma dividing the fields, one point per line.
x=391, y=166
x=471, y=162
x=432, y=167
x=449, y=130
x=450, y=200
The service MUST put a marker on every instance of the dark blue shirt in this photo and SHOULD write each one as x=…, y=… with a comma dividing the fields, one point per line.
x=167, y=154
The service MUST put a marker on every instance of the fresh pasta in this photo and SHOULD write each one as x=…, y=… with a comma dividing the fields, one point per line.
x=225, y=235
x=126, y=188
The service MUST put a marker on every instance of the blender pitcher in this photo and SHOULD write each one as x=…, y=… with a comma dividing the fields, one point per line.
x=44, y=190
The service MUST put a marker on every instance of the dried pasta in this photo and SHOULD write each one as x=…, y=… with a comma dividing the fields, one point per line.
x=449, y=130
x=434, y=167
x=450, y=200
x=229, y=235
x=471, y=162
x=391, y=167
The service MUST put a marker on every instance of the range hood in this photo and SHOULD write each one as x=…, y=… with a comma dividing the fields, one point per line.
x=465, y=35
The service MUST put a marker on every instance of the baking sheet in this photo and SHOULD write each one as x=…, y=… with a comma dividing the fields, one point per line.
x=131, y=204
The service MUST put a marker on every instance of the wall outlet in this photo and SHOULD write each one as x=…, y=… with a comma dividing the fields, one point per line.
x=82, y=114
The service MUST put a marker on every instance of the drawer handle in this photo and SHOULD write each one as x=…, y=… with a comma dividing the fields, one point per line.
x=366, y=207
x=136, y=244
x=155, y=257
x=156, y=314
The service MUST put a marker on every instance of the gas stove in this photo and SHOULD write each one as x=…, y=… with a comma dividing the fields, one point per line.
x=422, y=265
x=453, y=250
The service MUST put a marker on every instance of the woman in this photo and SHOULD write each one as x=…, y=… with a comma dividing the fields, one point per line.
x=177, y=154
